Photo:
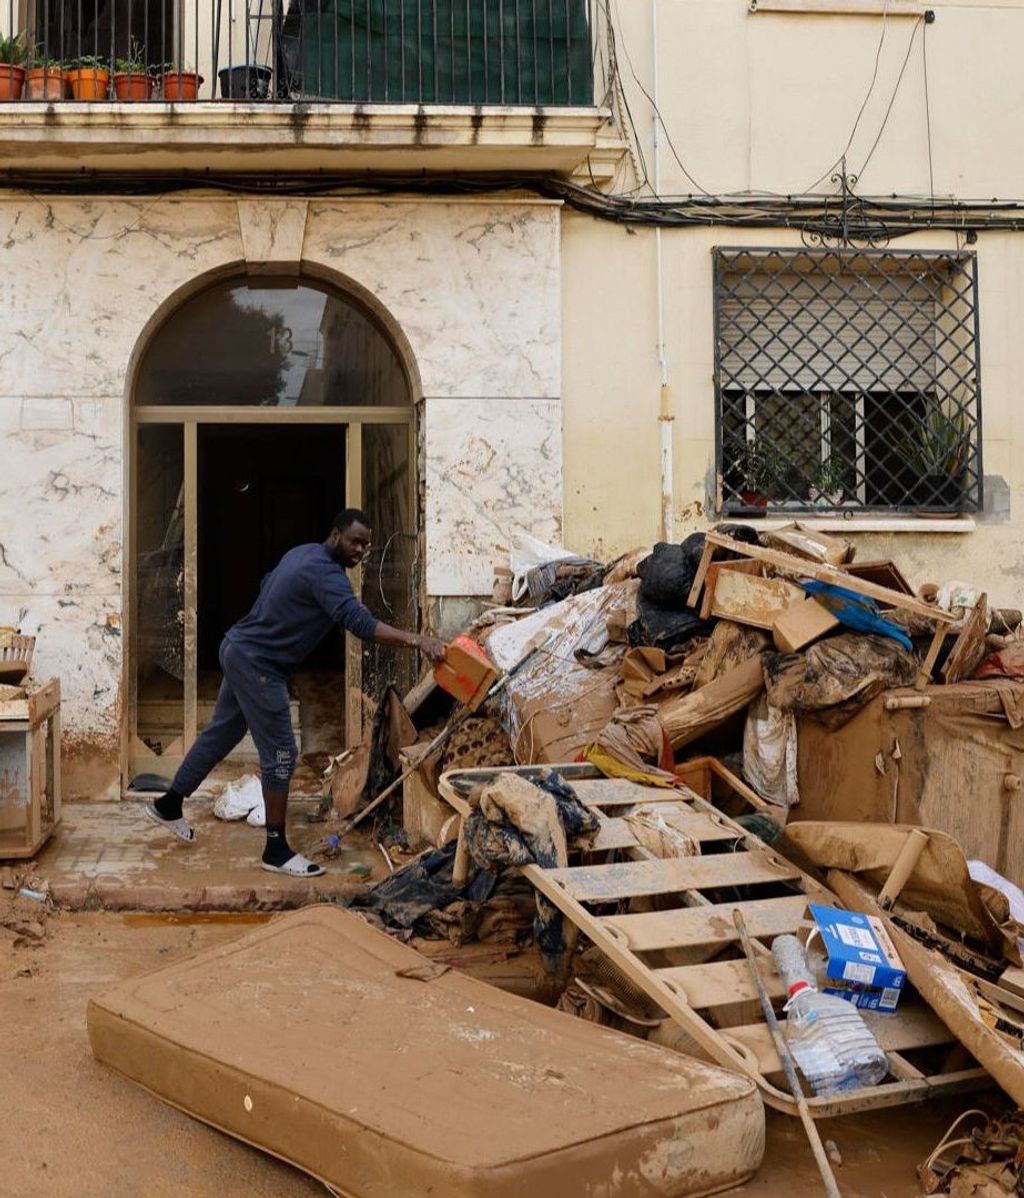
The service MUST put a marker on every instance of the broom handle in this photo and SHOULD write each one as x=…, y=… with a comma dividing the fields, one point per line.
x=782, y=1048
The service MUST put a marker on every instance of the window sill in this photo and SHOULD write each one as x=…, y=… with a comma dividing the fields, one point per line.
x=908, y=524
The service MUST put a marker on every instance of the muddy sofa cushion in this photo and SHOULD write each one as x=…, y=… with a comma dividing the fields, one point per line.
x=334, y=1047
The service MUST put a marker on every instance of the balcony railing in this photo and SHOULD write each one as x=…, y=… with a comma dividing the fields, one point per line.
x=423, y=52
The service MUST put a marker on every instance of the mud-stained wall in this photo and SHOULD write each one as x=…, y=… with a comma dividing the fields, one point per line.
x=472, y=289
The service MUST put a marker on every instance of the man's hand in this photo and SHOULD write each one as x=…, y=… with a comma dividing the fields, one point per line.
x=432, y=648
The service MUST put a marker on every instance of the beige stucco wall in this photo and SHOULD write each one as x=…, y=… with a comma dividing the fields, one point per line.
x=766, y=102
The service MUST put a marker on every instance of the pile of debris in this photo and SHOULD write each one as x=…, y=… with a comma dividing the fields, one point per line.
x=737, y=644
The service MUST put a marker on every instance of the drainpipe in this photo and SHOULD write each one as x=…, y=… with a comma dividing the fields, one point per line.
x=666, y=414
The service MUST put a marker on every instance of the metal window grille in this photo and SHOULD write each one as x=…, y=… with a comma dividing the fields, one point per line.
x=847, y=381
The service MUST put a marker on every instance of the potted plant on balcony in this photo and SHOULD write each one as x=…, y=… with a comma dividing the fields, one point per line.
x=179, y=85
x=937, y=452
x=90, y=78
x=13, y=53
x=46, y=79
x=132, y=80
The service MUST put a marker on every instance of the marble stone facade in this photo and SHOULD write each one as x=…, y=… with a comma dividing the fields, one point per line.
x=471, y=288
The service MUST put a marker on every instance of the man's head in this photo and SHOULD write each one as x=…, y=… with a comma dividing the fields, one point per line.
x=349, y=538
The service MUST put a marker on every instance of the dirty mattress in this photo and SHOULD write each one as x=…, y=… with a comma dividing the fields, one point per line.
x=350, y=1055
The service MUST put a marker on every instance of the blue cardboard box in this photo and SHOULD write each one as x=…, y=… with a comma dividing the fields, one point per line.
x=861, y=962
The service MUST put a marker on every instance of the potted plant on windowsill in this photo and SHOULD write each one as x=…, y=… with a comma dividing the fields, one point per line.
x=13, y=54
x=46, y=79
x=132, y=80
x=90, y=78
x=937, y=452
x=826, y=489
x=760, y=473
x=179, y=85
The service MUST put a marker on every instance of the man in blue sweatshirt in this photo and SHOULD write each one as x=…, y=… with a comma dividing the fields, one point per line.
x=306, y=595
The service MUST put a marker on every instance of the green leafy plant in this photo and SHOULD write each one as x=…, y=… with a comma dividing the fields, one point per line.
x=40, y=60
x=761, y=468
x=939, y=444
x=830, y=477
x=14, y=50
x=134, y=63
x=90, y=62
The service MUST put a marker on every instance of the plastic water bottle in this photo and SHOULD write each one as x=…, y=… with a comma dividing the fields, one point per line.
x=827, y=1036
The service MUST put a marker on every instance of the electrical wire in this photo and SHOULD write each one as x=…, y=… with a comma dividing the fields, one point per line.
x=895, y=92
x=860, y=111
x=661, y=120
x=898, y=214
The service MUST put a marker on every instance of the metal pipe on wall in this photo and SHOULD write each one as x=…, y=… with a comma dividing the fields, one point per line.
x=666, y=414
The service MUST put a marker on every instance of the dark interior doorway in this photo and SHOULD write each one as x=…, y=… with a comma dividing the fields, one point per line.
x=262, y=490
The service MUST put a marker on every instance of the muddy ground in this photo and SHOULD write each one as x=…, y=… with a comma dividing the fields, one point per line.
x=72, y=1129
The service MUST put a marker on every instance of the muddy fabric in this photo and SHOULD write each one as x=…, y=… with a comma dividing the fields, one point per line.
x=421, y=886
x=660, y=830
x=836, y=677
x=1007, y=663
x=519, y=822
x=665, y=627
x=730, y=645
x=770, y=753
x=940, y=884
x=688, y=718
x=635, y=737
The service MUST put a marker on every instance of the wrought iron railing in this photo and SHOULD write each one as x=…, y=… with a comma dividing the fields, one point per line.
x=424, y=52
x=846, y=381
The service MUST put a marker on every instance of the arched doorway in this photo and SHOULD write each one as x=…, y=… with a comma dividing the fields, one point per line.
x=261, y=407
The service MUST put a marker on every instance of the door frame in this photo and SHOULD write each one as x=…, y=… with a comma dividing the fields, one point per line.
x=136, y=757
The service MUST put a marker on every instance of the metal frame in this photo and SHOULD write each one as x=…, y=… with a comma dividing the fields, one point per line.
x=850, y=352
x=189, y=418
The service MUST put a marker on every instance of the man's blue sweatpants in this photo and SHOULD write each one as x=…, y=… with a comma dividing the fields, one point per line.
x=250, y=698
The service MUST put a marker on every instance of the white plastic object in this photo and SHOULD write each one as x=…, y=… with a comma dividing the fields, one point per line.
x=239, y=798
x=827, y=1036
x=958, y=595
x=527, y=554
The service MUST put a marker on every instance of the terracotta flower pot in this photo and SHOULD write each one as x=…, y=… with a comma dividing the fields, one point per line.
x=45, y=83
x=181, y=85
x=87, y=83
x=12, y=80
x=136, y=85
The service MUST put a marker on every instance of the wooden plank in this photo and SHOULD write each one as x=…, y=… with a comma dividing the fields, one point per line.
x=830, y=574
x=702, y=572
x=617, y=834
x=912, y=1025
x=35, y=706
x=54, y=763
x=691, y=926
x=631, y=879
x=924, y=675
x=720, y=982
x=969, y=649
x=620, y=792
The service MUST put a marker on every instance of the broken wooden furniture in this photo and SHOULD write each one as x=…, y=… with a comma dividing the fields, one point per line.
x=335, y=1047
x=797, y=567
x=682, y=950
x=30, y=794
x=948, y=757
